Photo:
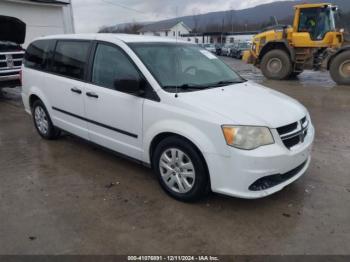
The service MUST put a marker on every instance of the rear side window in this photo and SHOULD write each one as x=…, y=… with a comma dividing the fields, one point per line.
x=70, y=58
x=38, y=55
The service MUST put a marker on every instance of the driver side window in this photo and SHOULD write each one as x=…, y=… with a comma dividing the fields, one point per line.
x=111, y=64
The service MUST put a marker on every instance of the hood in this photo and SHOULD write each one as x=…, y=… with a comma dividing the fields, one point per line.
x=248, y=104
x=12, y=30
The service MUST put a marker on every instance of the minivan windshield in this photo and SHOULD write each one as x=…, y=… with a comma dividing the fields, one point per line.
x=185, y=67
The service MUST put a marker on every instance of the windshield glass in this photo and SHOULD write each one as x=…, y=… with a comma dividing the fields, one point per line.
x=317, y=21
x=184, y=66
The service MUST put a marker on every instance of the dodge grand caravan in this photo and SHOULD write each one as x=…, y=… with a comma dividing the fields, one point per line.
x=171, y=105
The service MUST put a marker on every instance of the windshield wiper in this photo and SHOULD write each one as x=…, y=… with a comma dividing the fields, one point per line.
x=185, y=87
x=226, y=83
x=206, y=86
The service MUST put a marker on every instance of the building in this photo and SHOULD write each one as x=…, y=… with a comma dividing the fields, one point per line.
x=42, y=17
x=166, y=29
x=218, y=37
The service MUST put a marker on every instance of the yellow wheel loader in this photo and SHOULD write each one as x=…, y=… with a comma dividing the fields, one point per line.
x=313, y=42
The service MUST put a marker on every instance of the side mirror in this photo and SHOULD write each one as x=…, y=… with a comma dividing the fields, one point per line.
x=130, y=86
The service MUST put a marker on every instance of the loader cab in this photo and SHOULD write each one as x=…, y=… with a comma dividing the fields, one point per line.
x=314, y=23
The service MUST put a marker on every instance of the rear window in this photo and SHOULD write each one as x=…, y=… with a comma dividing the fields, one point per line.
x=38, y=55
x=70, y=58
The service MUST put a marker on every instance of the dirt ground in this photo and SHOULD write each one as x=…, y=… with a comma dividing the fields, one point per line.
x=67, y=197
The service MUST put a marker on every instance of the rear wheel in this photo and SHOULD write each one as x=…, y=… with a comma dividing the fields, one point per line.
x=42, y=121
x=180, y=169
x=276, y=65
x=340, y=68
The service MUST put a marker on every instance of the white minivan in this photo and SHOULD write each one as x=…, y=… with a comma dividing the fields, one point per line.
x=171, y=105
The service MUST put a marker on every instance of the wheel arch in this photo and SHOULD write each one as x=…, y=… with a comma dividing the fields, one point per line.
x=340, y=51
x=36, y=94
x=32, y=99
x=164, y=135
x=201, y=134
x=281, y=45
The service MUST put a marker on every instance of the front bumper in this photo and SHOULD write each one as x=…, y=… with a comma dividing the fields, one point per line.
x=12, y=80
x=235, y=175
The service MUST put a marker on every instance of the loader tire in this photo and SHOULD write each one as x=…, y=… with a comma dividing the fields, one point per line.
x=276, y=65
x=340, y=68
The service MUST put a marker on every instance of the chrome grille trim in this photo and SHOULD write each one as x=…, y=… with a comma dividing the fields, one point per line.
x=296, y=136
x=10, y=64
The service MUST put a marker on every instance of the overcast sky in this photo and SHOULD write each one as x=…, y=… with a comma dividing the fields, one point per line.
x=90, y=15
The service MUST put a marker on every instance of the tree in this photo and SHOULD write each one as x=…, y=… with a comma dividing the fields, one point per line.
x=132, y=28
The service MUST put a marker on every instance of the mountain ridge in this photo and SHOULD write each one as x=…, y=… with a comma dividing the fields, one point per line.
x=282, y=10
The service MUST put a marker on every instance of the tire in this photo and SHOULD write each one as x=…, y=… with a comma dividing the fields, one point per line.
x=340, y=68
x=43, y=123
x=169, y=167
x=276, y=65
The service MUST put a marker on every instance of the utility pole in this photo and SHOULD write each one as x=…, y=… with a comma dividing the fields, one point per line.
x=231, y=21
x=222, y=30
x=177, y=21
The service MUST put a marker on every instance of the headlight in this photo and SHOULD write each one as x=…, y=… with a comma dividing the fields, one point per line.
x=247, y=137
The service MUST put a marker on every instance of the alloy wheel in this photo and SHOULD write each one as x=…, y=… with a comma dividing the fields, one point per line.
x=177, y=170
x=41, y=120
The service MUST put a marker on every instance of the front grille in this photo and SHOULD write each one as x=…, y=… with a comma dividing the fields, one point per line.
x=295, y=133
x=287, y=129
x=274, y=180
x=303, y=120
x=18, y=56
x=17, y=63
x=11, y=61
x=289, y=143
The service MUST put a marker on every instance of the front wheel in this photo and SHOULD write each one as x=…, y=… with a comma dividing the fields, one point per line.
x=180, y=169
x=276, y=65
x=340, y=68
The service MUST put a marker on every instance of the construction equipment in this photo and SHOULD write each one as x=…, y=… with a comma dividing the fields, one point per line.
x=313, y=42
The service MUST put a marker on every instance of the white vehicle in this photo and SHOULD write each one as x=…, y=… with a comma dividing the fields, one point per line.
x=210, y=47
x=226, y=50
x=174, y=107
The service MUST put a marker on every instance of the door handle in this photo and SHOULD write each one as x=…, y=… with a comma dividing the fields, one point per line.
x=76, y=90
x=92, y=94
